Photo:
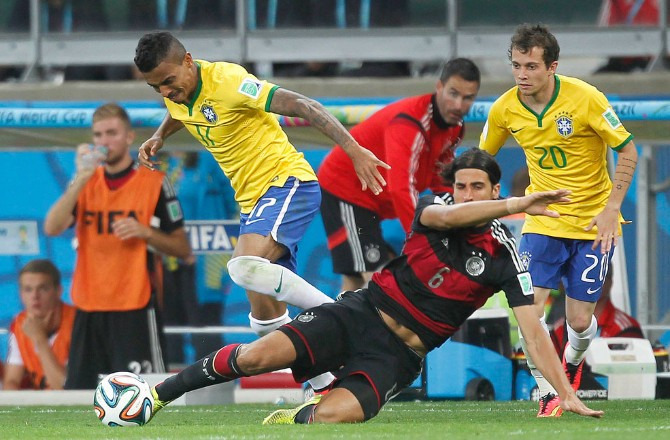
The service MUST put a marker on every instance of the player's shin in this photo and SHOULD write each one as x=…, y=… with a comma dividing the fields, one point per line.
x=217, y=367
x=260, y=275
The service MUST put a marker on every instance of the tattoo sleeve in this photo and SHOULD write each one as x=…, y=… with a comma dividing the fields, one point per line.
x=288, y=103
x=623, y=176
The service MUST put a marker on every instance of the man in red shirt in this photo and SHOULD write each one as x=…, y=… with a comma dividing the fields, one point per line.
x=416, y=136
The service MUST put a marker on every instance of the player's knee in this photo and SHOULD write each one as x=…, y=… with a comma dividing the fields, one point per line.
x=243, y=269
x=265, y=354
x=250, y=359
x=580, y=323
x=338, y=413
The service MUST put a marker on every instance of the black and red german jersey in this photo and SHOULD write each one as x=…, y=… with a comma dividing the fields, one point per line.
x=442, y=277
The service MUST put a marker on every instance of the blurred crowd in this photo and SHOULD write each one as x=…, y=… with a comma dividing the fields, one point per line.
x=71, y=16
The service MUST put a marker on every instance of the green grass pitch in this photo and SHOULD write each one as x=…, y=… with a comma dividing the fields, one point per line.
x=628, y=420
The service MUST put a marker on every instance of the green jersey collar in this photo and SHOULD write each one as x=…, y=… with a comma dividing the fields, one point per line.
x=196, y=94
x=557, y=88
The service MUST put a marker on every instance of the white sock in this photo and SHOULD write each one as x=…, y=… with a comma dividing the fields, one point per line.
x=262, y=328
x=579, y=342
x=321, y=381
x=260, y=275
x=543, y=384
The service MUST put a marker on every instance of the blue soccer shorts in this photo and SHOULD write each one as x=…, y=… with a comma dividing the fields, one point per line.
x=284, y=213
x=550, y=260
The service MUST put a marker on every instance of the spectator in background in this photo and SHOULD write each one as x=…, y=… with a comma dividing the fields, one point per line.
x=416, y=136
x=66, y=17
x=612, y=322
x=627, y=13
x=349, y=14
x=122, y=214
x=196, y=288
x=39, y=340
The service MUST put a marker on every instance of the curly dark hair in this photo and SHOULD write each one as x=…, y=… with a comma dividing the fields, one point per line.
x=154, y=48
x=528, y=36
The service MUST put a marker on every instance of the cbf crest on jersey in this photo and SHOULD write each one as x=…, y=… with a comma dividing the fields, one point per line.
x=564, y=125
x=209, y=113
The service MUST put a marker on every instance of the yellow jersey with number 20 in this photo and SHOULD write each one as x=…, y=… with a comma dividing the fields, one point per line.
x=565, y=147
x=229, y=116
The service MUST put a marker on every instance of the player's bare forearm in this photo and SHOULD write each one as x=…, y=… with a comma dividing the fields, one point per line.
x=365, y=163
x=461, y=215
x=53, y=370
x=175, y=243
x=60, y=217
x=623, y=175
x=541, y=349
x=289, y=103
x=13, y=377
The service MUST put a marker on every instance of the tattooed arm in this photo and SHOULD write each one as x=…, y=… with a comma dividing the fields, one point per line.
x=288, y=103
x=608, y=220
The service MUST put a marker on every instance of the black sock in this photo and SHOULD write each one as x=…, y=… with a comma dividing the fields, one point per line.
x=193, y=377
x=305, y=415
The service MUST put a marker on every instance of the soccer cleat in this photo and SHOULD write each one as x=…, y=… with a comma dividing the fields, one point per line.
x=549, y=406
x=287, y=416
x=158, y=404
x=574, y=372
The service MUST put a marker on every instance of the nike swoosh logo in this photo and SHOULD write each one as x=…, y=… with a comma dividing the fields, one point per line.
x=281, y=279
x=517, y=130
x=591, y=292
x=253, y=221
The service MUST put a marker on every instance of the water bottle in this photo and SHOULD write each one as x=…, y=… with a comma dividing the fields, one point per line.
x=95, y=156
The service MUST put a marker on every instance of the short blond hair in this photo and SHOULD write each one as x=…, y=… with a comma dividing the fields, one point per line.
x=111, y=110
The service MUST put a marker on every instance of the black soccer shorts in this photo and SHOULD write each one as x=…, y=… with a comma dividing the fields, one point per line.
x=349, y=338
x=354, y=235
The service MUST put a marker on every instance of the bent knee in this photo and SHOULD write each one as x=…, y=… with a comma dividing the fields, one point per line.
x=334, y=414
x=243, y=269
x=253, y=360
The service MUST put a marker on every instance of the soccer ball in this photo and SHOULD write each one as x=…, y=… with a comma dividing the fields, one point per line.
x=123, y=399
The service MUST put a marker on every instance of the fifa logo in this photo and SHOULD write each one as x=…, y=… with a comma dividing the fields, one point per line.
x=103, y=221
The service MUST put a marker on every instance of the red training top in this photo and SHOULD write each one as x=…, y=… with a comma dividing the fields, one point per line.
x=412, y=137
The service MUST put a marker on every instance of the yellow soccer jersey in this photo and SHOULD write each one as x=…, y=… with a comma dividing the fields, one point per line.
x=229, y=116
x=565, y=147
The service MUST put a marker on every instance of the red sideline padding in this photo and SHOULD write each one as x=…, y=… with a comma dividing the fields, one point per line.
x=270, y=380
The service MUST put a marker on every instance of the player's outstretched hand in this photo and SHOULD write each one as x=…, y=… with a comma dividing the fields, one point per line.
x=573, y=404
x=149, y=149
x=536, y=203
x=365, y=164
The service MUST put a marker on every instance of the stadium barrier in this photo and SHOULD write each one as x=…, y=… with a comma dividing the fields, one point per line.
x=76, y=114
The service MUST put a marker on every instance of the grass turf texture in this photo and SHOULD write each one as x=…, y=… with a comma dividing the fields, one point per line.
x=407, y=420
